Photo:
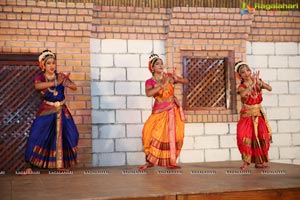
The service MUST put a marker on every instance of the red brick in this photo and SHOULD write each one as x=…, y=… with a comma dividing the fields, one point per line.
x=89, y=105
x=6, y=49
x=31, y=3
x=74, y=63
x=7, y=8
x=83, y=158
x=84, y=150
x=79, y=5
x=52, y=18
x=5, y=37
x=61, y=5
x=77, y=104
x=87, y=119
x=77, y=119
x=15, y=43
x=11, y=16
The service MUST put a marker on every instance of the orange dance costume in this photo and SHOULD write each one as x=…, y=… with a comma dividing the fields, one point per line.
x=253, y=130
x=163, y=131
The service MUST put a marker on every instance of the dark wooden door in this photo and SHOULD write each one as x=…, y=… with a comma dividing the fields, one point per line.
x=19, y=102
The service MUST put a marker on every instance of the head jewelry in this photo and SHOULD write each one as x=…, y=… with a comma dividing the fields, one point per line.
x=237, y=67
x=44, y=56
x=152, y=59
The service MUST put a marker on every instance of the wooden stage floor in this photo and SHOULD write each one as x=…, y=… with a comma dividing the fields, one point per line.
x=208, y=181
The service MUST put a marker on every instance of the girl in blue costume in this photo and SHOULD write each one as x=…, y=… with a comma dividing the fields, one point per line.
x=53, y=136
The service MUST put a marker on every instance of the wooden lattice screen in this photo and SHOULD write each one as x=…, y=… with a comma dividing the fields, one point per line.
x=18, y=104
x=207, y=83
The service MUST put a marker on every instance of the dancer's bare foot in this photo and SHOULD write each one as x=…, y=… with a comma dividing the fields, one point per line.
x=145, y=166
x=244, y=166
x=174, y=167
x=261, y=166
x=28, y=171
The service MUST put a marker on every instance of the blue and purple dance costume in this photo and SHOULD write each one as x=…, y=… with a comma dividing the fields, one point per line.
x=53, y=135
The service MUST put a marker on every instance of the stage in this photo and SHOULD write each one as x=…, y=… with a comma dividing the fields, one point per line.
x=208, y=181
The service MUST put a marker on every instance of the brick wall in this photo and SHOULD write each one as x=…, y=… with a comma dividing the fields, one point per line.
x=201, y=31
x=110, y=22
x=206, y=32
x=275, y=26
x=106, y=49
x=30, y=27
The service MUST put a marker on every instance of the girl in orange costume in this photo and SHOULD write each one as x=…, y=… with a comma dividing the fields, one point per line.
x=163, y=132
x=253, y=131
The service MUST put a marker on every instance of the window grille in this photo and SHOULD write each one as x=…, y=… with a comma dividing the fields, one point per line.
x=209, y=83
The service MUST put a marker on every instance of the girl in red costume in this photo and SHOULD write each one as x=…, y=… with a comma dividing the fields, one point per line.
x=253, y=131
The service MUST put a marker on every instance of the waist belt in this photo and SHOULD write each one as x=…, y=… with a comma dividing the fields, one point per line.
x=251, y=110
x=56, y=103
x=255, y=111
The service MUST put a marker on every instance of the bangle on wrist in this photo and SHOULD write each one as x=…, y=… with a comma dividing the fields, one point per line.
x=66, y=83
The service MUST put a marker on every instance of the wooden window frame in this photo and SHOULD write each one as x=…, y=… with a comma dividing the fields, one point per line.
x=220, y=114
x=227, y=77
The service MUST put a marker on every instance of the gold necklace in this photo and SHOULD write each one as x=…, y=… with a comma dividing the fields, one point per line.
x=252, y=91
x=157, y=79
x=52, y=78
x=55, y=93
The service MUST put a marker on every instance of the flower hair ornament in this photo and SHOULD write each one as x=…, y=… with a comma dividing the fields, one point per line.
x=237, y=68
x=152, y=59
x=44, y=56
